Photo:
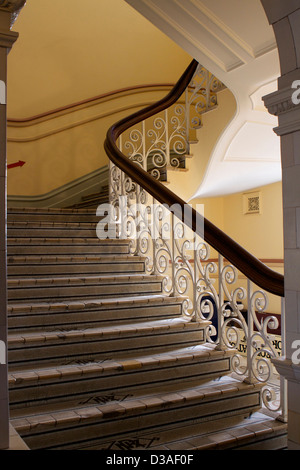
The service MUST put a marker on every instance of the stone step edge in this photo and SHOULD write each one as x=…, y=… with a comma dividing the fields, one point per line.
x=16, y=241
x=40, y=232
x=51, y=225
x=47, y=210
x=97, y=369
x=231, y=438
x=81, y=280
x=75, y=416
x=127, y=330
x=15, y=260
x=112, y=303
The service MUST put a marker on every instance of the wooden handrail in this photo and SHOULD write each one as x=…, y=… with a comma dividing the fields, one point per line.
x=249, y=265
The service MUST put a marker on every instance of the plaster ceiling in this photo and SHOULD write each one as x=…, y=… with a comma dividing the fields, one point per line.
x=235, y=42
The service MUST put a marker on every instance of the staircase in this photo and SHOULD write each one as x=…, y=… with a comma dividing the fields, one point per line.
x=92, y=201
x=100, y=358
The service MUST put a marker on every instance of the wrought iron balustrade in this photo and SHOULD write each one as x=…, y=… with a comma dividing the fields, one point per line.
x=177, y=241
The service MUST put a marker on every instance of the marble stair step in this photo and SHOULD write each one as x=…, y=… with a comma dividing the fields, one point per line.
x=71, y=232
x=18, y=242
x=102, y=343
x=57, y=215
x=102, y=381
x=259, y=431
x=73, y=427
x=33, y=265
x=88, y=313
x=82, y=287
x=66, y=246
x=51, y=224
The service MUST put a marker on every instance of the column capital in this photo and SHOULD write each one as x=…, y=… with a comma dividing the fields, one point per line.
x=287, y=369
x=13, y=7
x=7, y=38
x=281, y=104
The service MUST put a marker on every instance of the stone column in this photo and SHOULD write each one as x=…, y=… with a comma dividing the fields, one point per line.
x=7, y=38
x=284, y=15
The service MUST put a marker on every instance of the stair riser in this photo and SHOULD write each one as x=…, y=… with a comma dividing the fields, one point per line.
x=95, y=318
x=83, y=292
x=74, y=268
x=111, y=429
x=89, y=391
x=101, y=349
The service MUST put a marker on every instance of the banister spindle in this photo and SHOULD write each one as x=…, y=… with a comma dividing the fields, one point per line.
x=250, y=376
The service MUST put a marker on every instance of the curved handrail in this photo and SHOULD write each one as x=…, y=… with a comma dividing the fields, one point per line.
x=249, y=265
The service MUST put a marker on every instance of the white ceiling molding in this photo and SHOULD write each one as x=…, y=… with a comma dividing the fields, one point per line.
x=235, y=42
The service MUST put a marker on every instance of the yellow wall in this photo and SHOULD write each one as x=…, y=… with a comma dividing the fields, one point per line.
x=260, y=234
x=62, y=147
x=69, y=51
x=213, y=124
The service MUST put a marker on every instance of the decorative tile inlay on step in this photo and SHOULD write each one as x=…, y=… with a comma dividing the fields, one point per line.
x=159, y=410
x=99, y=356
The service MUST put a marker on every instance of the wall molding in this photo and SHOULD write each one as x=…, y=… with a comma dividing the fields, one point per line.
x=127, y=91
x=40, y=126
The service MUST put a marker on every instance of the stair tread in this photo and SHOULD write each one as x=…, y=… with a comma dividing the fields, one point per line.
x=50, y=225
x=46, y=417
x=88, y=304
x=80, y=279
x=47, y=210
x=96, y=368
x=65, y=240
x=99, y=332
x=233, y=434
x=82, y=258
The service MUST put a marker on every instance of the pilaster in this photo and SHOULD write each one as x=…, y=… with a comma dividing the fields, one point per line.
x=284, y=15
x=7, y=39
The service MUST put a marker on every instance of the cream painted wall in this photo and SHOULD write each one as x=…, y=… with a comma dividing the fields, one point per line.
x=71, y=50
x=88, y=49
x=213, y=124
x=260, y=234
x=68, y=145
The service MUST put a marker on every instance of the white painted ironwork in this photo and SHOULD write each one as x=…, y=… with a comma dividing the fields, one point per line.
x=163, y=141
x=237, y=314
